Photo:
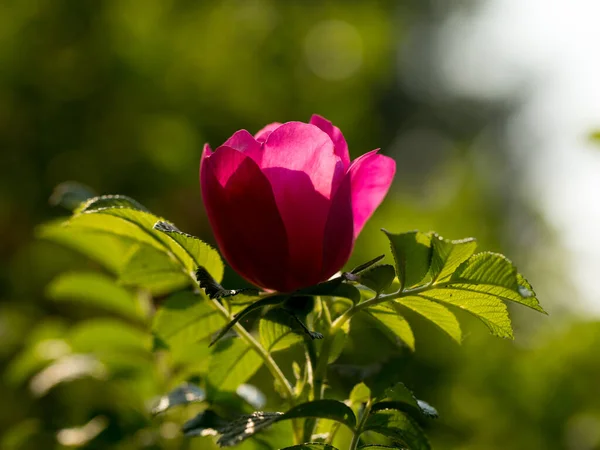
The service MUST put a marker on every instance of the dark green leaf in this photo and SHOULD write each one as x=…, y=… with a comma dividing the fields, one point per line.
x=438, y=314
x=232, y=363
x=278, y=330
x=97, y=290
x=185, y=318
x=393, y=324
x=333, y=288
x=111, y=201
x=207, y=423
x=323, y=409
x=378, y=278
x=448, y=255
x=244, y=427
x=366, y=265
x=265, y=301
x=215, y=290
x=399, y=427
x=182, y=395
x=412, y=252
x=380, y=447
x=401, y=398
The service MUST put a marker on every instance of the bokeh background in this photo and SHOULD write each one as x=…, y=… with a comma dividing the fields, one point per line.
x=487, y=107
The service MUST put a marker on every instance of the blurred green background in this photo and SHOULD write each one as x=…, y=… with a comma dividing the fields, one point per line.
x=121, y=95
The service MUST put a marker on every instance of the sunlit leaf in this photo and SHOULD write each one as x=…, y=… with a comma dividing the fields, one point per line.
x=201, y=253
x=339, y=341
x=108, y=250
x=412, y=252
x=94, y=289
x=438, y=314
x=110, y=201
x=392, y=323
x=232, y=363
x=360, y=393
x=448, y=255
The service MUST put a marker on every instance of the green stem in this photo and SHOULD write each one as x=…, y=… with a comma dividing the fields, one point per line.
x=262, y=352
x=361, y=424
x=320, y=371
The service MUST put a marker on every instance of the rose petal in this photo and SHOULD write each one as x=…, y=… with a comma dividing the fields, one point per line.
x=244, y=217
x=245, y=142
x=339, y=142
x=264, y=133
x=371, y=175
x=300, y=163
x=338, y=239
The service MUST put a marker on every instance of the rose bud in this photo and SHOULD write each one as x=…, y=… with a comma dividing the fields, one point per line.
x=287, y=204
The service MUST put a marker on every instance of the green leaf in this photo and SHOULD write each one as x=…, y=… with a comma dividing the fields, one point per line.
x=152, y=269
x=265, y=301
x=393, y=323
x=182, y=395
x=323, y=409
x=448, y=255
x=110, y=201
x=278, y=330
x=232, y=363
x=139, y=226
x=333, y=288
x=108, y=250
x=399, y=427
x=378, y=278
x=438, y=314
x=339, y=342
x=412, y=252
x=97, y=290
x=495, y=275
x=201, y=253
x=185, y=318
x=401, y=398
x=360, y=394
x=311, y=446
x=489, y=309
x=366, y=265
x=246, y=426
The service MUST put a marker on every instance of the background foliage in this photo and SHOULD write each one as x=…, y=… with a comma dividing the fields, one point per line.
x=121, y=95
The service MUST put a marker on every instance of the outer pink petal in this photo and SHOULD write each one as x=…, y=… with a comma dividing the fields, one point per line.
x=300, y=163
x=245, y=142
x=244, y=217
x=264, y=133
x=339, y=142
x=371, y=176
x=339, y=230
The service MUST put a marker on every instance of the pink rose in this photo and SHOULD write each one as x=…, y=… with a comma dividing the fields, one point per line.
x=286, y=205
